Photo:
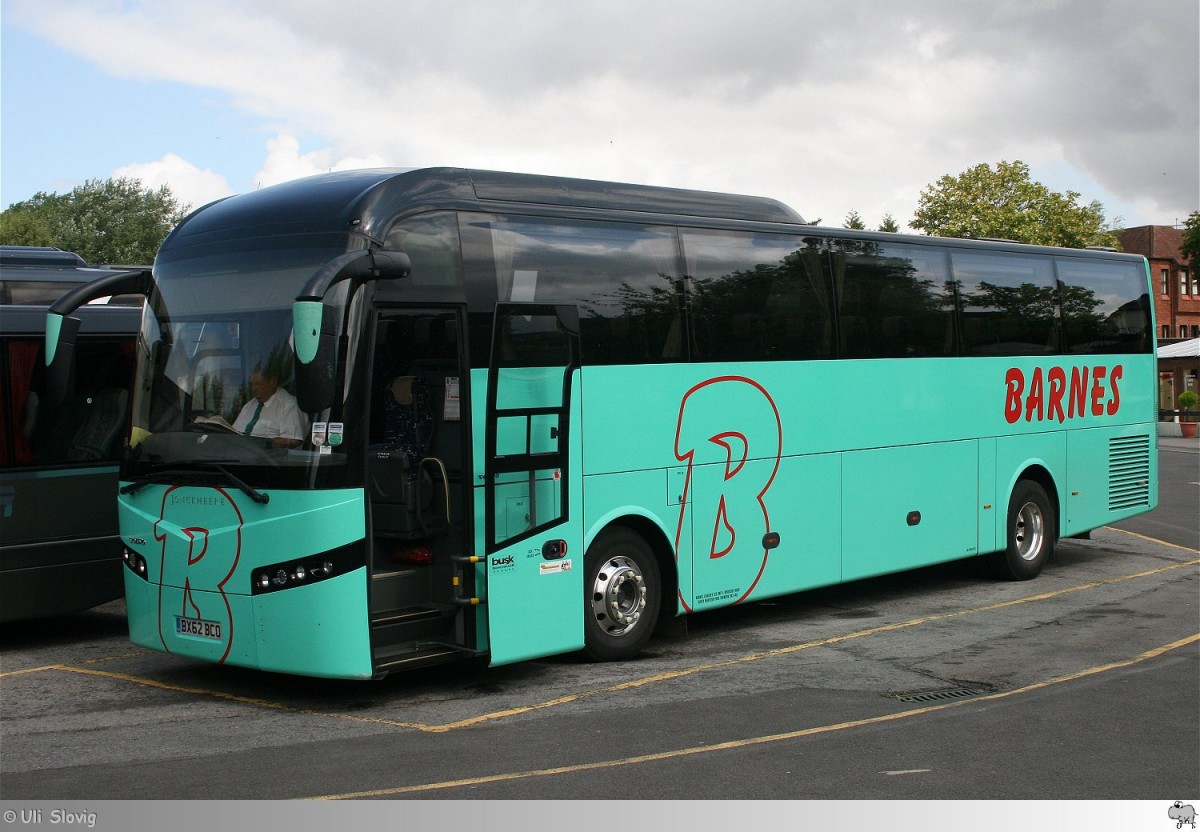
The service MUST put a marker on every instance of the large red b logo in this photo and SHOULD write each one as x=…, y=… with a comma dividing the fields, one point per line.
x=731, y=426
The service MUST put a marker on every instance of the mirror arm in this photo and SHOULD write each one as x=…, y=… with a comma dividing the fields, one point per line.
x=359, y=266
x=61, y=329
x=123, y=283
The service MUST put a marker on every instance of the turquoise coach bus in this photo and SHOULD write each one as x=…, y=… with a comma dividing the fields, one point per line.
x=541, y=413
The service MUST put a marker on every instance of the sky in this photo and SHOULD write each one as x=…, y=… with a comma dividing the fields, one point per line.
x=831, y=107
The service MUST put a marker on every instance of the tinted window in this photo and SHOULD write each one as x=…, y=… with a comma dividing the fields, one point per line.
x=1009, y=303
x=758, y=297
x=1105, y=306
x=90, y=426
x=623, y=278
x=895, y=301
x=431, y=243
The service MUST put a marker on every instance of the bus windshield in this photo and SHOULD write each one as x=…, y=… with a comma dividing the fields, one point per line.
x=215, y=388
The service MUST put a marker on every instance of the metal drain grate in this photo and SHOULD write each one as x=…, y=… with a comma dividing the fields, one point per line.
x=935, y=695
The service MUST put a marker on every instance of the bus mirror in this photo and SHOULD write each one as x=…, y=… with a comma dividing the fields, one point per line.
x=359, y=267
x=392, y=265
x=315, y=328
x=62, y=329
x=307, y=318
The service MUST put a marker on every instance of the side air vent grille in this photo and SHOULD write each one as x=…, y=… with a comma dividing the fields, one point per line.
x=1128, y=472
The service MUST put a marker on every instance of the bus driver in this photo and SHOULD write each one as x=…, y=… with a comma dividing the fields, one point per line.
x=272, y=413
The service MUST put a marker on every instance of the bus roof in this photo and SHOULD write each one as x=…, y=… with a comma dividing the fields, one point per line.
x=43, y=257
x=368, y=201
x=39, y=275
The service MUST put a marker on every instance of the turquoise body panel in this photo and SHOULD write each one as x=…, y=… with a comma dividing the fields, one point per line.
x=773, y=479
x=882, y=488
x=860, y=468
x=202, y=546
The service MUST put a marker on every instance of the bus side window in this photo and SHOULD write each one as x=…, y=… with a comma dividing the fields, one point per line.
x=1105, y=306
x=92, y=424
x=623, y=277
x=1009, y=303
x=758, y=297
x=895, y=301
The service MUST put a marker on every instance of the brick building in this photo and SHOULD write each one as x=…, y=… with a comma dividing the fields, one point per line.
x=1176, y=302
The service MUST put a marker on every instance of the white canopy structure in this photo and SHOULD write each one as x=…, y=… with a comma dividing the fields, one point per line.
x=1184, y=349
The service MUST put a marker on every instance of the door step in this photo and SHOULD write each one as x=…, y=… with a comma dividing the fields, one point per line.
x=412, y=629
x=414, y=637
x=400, y=657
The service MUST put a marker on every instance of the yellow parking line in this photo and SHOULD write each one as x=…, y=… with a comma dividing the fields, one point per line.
x=795, y=648
x=665, y=676
x=229, y=697
x=23, y=671
x=1151, y=539
x=756, y=741
x=46, y=667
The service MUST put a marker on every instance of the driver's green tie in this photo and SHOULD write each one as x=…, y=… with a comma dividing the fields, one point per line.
x=254, y=418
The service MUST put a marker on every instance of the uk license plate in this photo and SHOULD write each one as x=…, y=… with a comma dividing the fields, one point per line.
x=198, y=628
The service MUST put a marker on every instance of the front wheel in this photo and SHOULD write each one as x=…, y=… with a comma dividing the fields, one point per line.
x=1032, y=530
x=622, y=593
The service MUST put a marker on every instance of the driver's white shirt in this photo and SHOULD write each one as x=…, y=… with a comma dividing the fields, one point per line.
x=280, y=417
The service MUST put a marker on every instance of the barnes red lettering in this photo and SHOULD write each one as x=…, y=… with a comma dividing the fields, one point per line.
x=1079, y=383
x=1034, y=400
x=1058, y=386
x=1015, y=380
x=1098, y=374
x=1091, y=391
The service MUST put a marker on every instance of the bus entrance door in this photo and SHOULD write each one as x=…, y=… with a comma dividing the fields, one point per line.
x=532, y=482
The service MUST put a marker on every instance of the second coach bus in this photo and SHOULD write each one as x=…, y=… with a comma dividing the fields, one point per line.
x=536, y=413
x=59, y=548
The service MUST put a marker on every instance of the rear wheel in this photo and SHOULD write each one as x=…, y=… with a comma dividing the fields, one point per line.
x=622, y=593
x=1032, y=530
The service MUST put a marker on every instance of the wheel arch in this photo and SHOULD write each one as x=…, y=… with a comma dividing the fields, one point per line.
x=650, y=530
x=1040, y=473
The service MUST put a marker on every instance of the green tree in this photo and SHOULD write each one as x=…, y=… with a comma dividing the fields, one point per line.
x=1191, y=242
x=109, y=221
x=1005, y=202
x=853, y=220
x=889, y=224
x=23, y=226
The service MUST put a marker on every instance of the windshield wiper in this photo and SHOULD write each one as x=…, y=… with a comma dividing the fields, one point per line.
x=168, y=471
x=164, y=472
x=256, y=496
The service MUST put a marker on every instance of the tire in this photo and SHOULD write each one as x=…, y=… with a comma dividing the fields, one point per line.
x=622, y=593
x=1032, y=531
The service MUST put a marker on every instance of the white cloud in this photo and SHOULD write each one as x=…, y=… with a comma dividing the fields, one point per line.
x=190, y=185
x=830, y=107
x=285, y=162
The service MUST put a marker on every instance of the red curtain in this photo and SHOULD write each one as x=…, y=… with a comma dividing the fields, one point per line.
x=22, y=359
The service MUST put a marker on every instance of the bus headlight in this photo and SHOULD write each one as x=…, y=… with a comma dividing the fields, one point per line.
x=287, y=575
x=313, y=569
x=135, y=563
